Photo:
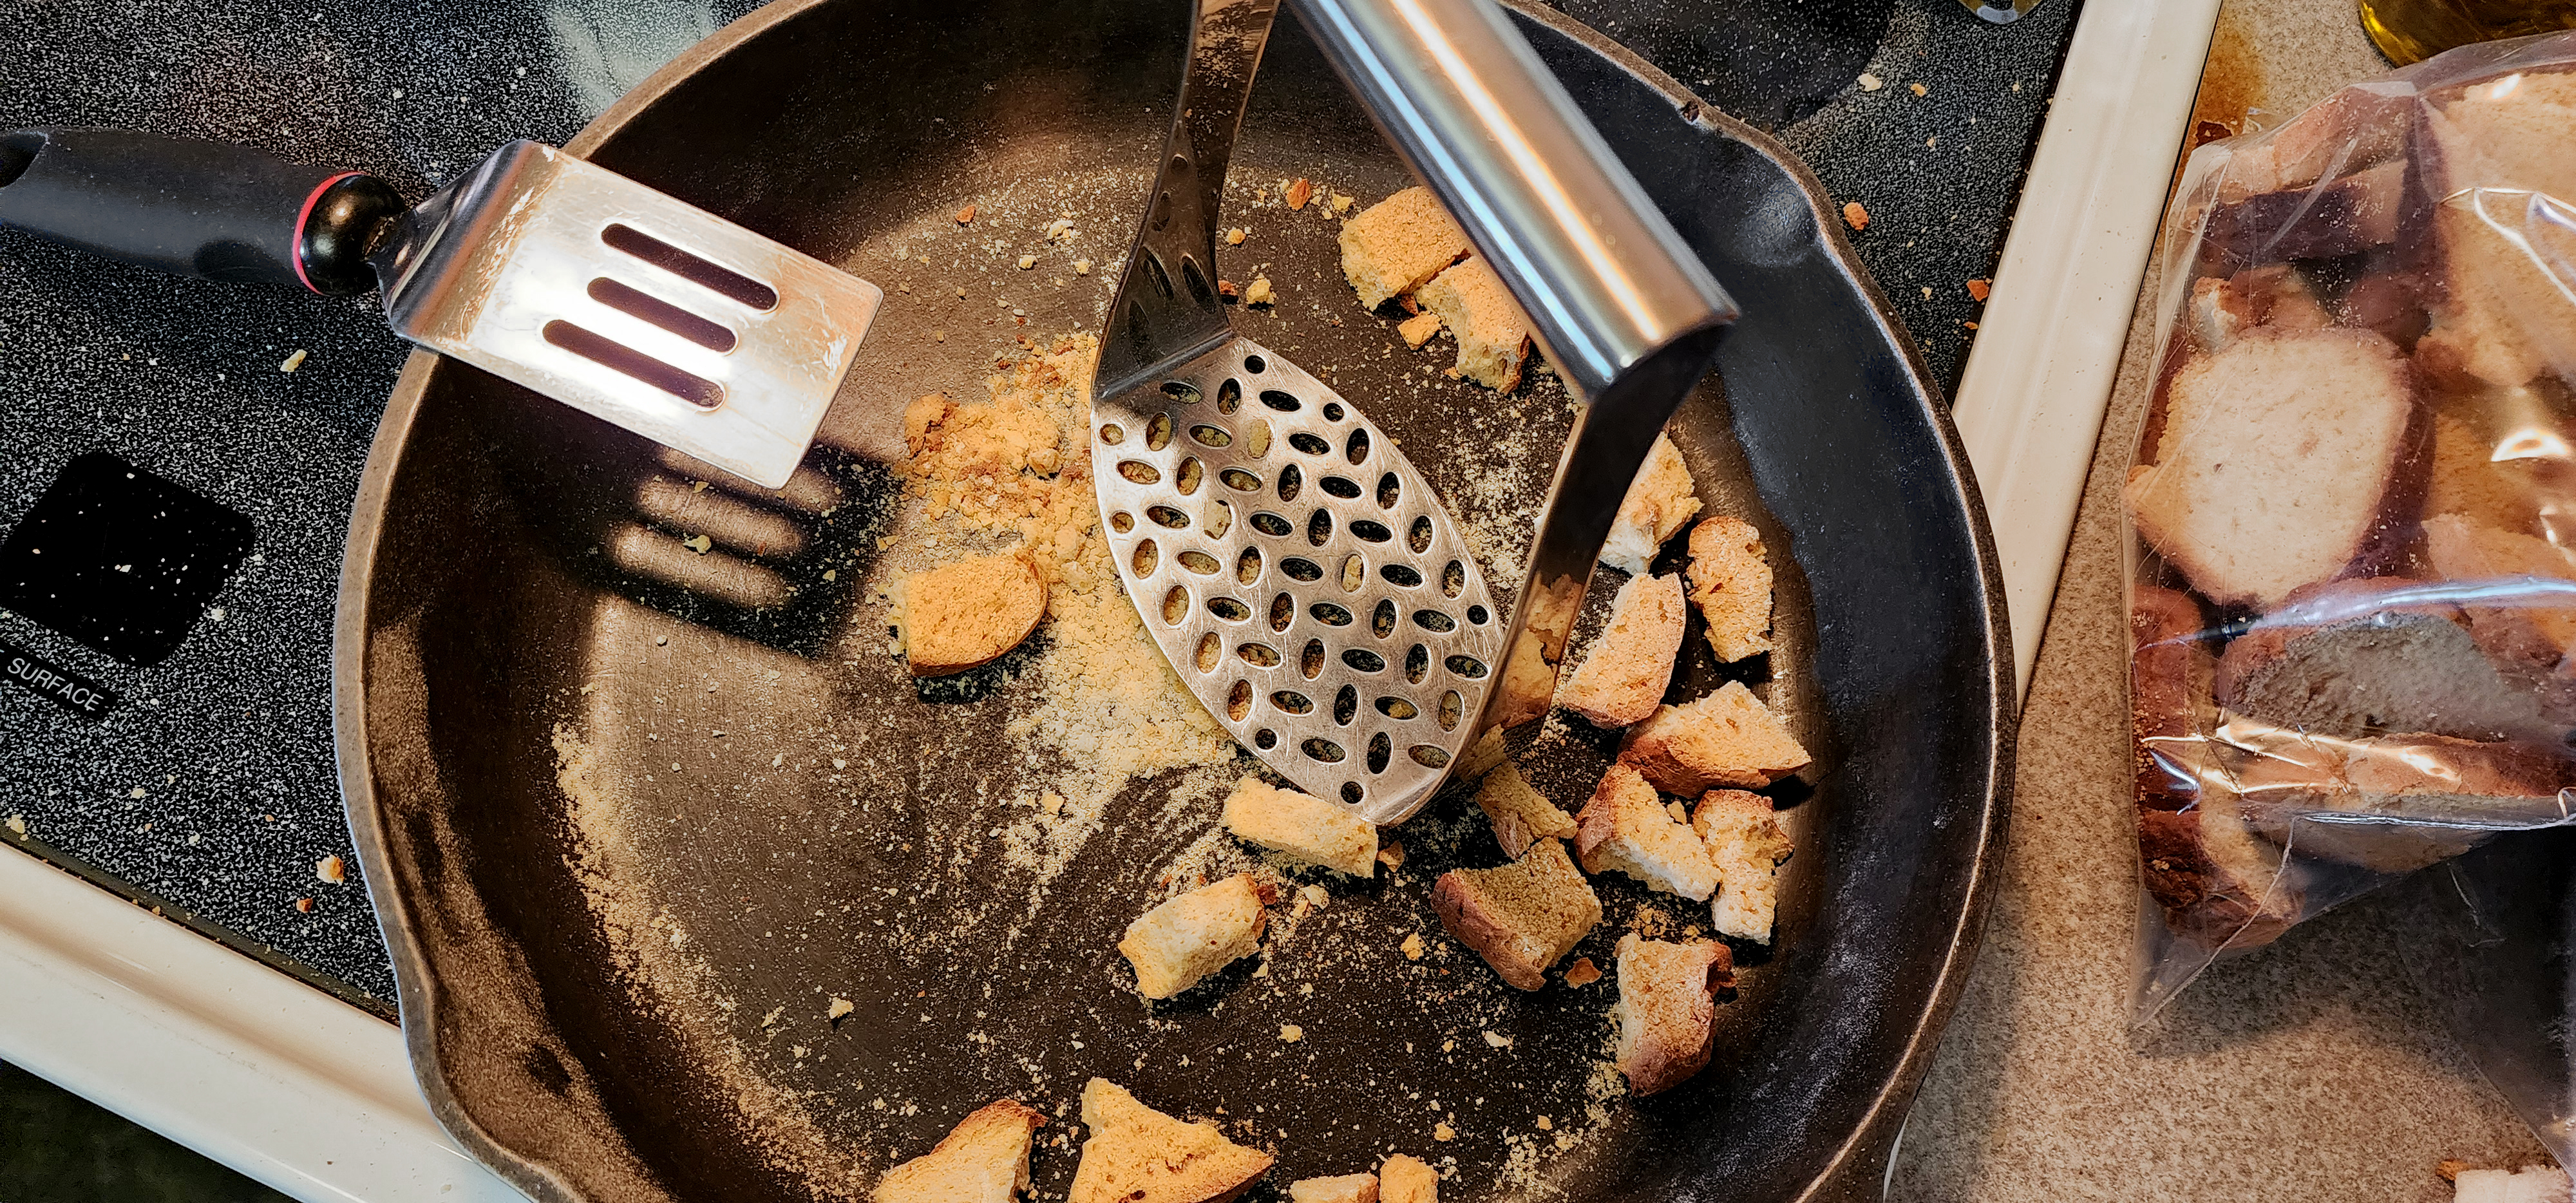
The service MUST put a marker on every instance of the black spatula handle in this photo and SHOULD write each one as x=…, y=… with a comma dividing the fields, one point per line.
x=190, y=208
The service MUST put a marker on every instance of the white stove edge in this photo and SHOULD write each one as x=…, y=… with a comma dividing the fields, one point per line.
x=315, y=1098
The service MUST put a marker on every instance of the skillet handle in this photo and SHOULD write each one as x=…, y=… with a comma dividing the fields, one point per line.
x=1602, y=274
x=190, y=208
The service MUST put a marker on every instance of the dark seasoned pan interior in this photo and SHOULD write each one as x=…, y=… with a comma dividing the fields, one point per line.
x=633, y=842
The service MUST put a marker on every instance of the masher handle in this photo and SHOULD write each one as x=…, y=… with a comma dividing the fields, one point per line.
x=205, y=209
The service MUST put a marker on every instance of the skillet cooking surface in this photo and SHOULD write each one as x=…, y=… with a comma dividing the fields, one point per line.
x=631, y=843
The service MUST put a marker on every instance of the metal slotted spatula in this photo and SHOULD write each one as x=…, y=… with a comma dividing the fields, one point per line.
x=537, y=267
x=1301, y=575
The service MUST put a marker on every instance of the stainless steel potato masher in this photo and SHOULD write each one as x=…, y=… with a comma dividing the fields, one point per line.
x=1302, y=577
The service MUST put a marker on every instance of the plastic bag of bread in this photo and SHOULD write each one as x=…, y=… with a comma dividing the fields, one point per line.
x=2353, y=506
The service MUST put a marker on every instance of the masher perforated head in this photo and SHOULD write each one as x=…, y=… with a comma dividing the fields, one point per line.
x=1303, y=578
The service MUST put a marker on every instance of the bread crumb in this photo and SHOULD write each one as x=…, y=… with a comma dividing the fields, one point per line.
x=1855, y=216
x=1235, y=236
x=1581, y=973
x=1919, y=89
x=1442, y=1131
x=1027, y=262
x=969, y=613
x=305, y=905
x=293, y=361
x=701, y=544
x=966, y=215
x=1544, y=1123
x=1979, y=289
x=1392, y=855
x=1291, y=1033
x=1418, y=329
x=1082, y=267
x=1298, y=193
x=1494, y=1039
x=840, y=1007
x=1871, y=83
x=1228, y=290
x=1342, y=204
x=1259, y=292
x=330, y=869
x=1412, y=946
x=18, y=825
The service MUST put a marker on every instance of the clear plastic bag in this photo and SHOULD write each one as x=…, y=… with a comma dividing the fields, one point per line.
x=2352, y=514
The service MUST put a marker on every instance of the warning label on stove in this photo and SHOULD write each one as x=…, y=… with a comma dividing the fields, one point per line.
x=73, y=692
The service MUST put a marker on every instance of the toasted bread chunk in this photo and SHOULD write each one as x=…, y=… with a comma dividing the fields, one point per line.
x=1622, y=679
x=2273, y=460
x=984, y=1159
x=1625, y=829
x=1189, y=937
x=1398, y=244
x=2355, y=658
x=1303, y=826
x=1745, y=840
x=1730, y=582
x=2503, y=166
x=1418, y=329
x=967, y=614
x=1520, y=815
x=1405, y=1178
x=2530, y=636
x=1346, y=1188
x=1136, y=1154
x=1728, y=738
x=1493, y=334
x=1481, y=757
x=1659, y=501
x=1667, y=998
x=1521, y=917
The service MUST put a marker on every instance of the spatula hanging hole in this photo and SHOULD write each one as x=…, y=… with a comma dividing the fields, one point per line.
x=1238, y=700
x=1247, y=567
x=1146, y=559
x=1361, y=659
x=1352, y=793
x=1418, y=535
x=1401, y=575
x=1229, y=396
x=1429, y=756
x=1374, y=532
x=1417, y=664
x=653, y=310
x=1161, y=214
x=1310, y=662
x=1340, y=486
x=1199, y=562
x=1176, y=606
x=1346, y=706
x=1389, y=491
x=1332, y=411
x=1259, y=655
x=1291, y=482
x=1220, y=519
x=1396, y=708
x=1182, y=391
x=1354, y=573
x=1158, y=432
x=1297, y=569
x=1255, y=364
x=1166, y=516
x=1453, y=577
x=1122, y=522
x=1265, y=739
x=1356, y=448
x=1382, y=621
x=1466, y=666
x=1137, y=471
x=1381, y=749
x=1434, y=620
x=1112, y=433
x=1256, y=438
x=1229, y=609
x=1319, y=527
x=1280, y=401
x=1211, y=436
x=1329, y=614
x=1187, y=479
x=1479, y=615
x=1239, y=480
x=713, y=277
x=1452, y=708
x=1209, y=649
x=1325, y=750
x=1283, y=611
x=1271, y=524
x=1291, y=702
x=1305, y=442
x=616, y=356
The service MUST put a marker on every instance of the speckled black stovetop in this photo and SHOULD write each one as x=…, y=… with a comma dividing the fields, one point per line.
x=209, y=789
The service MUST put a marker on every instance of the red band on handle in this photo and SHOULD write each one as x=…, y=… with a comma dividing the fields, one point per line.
x=306, y=214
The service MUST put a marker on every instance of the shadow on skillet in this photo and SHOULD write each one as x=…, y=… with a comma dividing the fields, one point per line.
x=478, y=628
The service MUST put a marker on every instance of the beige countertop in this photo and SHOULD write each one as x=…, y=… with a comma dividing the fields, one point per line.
x=2307, y=1072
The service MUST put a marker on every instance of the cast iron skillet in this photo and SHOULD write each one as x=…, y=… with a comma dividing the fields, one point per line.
x=628, y=842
